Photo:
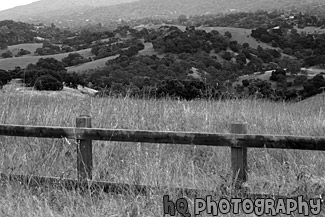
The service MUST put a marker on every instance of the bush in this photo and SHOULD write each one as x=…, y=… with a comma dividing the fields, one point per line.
x=48, y=82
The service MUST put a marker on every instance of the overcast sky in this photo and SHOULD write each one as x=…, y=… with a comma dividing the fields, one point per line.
x=6, y=4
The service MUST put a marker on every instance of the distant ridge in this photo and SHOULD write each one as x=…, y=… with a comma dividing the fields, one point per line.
x=83, y=12
x=54, y=8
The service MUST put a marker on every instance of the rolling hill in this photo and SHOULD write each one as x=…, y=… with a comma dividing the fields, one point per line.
x=82, y=12
x=239, y=34
x=54, y=8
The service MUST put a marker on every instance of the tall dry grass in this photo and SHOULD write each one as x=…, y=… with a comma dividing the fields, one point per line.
x=270, y=171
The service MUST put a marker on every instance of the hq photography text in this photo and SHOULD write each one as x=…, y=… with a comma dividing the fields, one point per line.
x=259, y=207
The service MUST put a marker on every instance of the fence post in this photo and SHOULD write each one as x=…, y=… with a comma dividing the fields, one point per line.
x=84, y=151
x=239, y=157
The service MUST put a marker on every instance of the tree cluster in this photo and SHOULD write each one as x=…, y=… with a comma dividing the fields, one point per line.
x=74, y=59
x=46, y=74
x=85, y=38
x=309, y=48
x=128, y=47
x=48, y=49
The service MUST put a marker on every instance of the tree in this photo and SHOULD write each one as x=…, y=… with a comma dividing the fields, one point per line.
x=74, y=59
x=294, y=66
x=131, y=51
x=50, y=63
x=299, y=80
x=72, y=80
x=4, y=77
x=182, y=18
x=245, y=83
x=288, y=51
x=278, y=75
x=7, y=54
x=140, y=46
x=241, y=59
x=266, y=38
x=257, y=33
x=226, y=55
x=265, y=56
x=247, y=53
x=233, y=45
x=260, y=88
x=48, y=82
x=47, y=49
x=22, y=52
x=245, y=45
x=228, y=34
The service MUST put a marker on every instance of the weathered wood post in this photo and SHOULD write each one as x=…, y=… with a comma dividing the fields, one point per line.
x=84, y=151
x=239, y=158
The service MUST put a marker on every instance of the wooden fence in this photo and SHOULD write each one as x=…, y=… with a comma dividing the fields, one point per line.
x=238, y=140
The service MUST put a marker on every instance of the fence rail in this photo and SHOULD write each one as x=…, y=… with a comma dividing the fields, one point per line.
x=237, y=140
x=187, y=138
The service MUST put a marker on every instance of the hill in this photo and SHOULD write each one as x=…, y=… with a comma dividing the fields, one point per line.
x=79, y=13
x=186, y=62
x=40, y=10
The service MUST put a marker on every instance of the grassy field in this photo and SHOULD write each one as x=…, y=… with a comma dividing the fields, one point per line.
x=28, y=46
x=24, y=61
x=91, y=65
x=148, y=50
x=311, y=30
x=270, y=171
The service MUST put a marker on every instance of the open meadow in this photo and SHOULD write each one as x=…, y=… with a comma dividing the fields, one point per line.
x=270, y=171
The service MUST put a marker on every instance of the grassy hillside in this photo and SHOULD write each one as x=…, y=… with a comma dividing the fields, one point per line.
x=43, y=8
x=311, y=30
x=11, y=63
x=24, y=61
x=149, y=50
x=100, y=63
x=159, y=165
x=91, y=65
x=31, y=47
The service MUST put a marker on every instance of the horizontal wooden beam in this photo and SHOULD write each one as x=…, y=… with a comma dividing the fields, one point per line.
x=96, y=186
x=191, y=138
x=122, y=188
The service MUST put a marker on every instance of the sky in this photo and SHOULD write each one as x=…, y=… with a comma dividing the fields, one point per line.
x=6, y=4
